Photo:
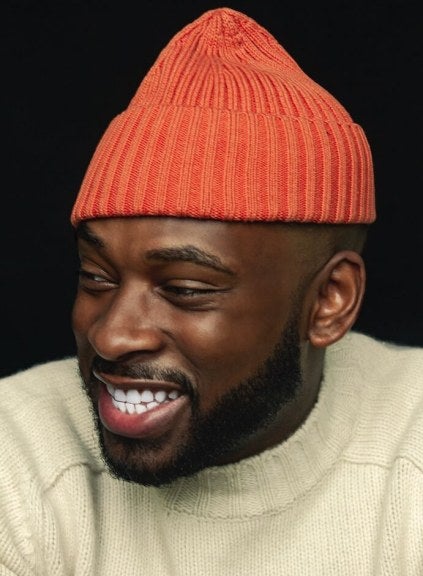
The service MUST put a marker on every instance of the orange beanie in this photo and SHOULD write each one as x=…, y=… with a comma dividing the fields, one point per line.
x=226, y=126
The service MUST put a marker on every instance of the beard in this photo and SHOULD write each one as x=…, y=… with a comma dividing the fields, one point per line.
x=240, y=414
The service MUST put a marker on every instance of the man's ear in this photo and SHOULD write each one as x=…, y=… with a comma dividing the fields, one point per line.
x=335, y=298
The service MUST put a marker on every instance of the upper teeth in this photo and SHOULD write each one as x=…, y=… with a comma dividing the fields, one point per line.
x=134, y=401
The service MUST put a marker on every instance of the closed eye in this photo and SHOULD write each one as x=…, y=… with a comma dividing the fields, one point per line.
x=94, y=282
x=191, y=297
x=187, y=292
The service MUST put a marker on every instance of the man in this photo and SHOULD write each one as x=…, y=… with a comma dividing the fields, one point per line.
x=232, y=423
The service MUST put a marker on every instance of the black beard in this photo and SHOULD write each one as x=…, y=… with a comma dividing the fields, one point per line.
x=240, y=414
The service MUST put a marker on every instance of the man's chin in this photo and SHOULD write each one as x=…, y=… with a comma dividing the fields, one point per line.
x=149, y=462
x=146, y=462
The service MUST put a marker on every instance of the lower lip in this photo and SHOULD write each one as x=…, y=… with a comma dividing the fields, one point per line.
x=152, y=424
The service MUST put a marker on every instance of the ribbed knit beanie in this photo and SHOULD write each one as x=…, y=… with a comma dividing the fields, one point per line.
x=227, y=126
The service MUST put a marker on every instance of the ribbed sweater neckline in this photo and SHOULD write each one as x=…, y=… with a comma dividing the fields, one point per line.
x=273, y=480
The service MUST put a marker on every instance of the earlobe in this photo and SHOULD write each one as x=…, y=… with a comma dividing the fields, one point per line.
x=338, y=291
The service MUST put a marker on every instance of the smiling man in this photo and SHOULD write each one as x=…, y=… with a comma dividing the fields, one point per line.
x=221, y=416
x=188, y=339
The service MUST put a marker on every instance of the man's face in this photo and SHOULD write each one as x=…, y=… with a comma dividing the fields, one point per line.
x=188, y=343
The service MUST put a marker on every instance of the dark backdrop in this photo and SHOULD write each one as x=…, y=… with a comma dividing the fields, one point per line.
x=69, y=67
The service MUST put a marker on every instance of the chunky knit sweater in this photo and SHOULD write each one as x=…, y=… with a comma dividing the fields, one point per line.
x=342, y=496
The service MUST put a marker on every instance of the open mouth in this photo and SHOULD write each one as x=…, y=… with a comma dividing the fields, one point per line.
x=140, y=408
x=134, y=401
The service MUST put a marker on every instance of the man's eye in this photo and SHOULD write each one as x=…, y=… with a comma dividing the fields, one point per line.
x=187, y=292
x=94, y=282
x=191, y=295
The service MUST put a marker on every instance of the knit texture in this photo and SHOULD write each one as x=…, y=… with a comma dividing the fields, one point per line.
x=342, y=496
x=227, y=126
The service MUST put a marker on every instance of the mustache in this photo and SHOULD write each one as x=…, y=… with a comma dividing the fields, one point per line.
x=143, y=371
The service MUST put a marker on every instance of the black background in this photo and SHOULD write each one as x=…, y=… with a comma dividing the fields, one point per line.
x=69, y=67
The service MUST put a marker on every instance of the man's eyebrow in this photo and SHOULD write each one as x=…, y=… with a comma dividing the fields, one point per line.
x=84, y=232
x=189, y=253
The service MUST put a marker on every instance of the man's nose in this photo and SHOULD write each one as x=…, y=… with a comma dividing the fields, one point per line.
x=128, y=325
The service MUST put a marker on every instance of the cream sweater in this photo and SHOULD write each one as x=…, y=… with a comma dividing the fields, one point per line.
x=343, y=496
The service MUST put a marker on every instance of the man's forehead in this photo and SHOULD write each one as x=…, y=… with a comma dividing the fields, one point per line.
x=95, y=229
x=226, y=244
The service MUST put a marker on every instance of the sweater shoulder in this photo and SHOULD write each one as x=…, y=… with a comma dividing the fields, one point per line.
x=389, y=378
x=46, y=421
x=40, y=379
x=381, y=355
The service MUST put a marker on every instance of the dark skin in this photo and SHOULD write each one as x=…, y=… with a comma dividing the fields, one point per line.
x=211, y=299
